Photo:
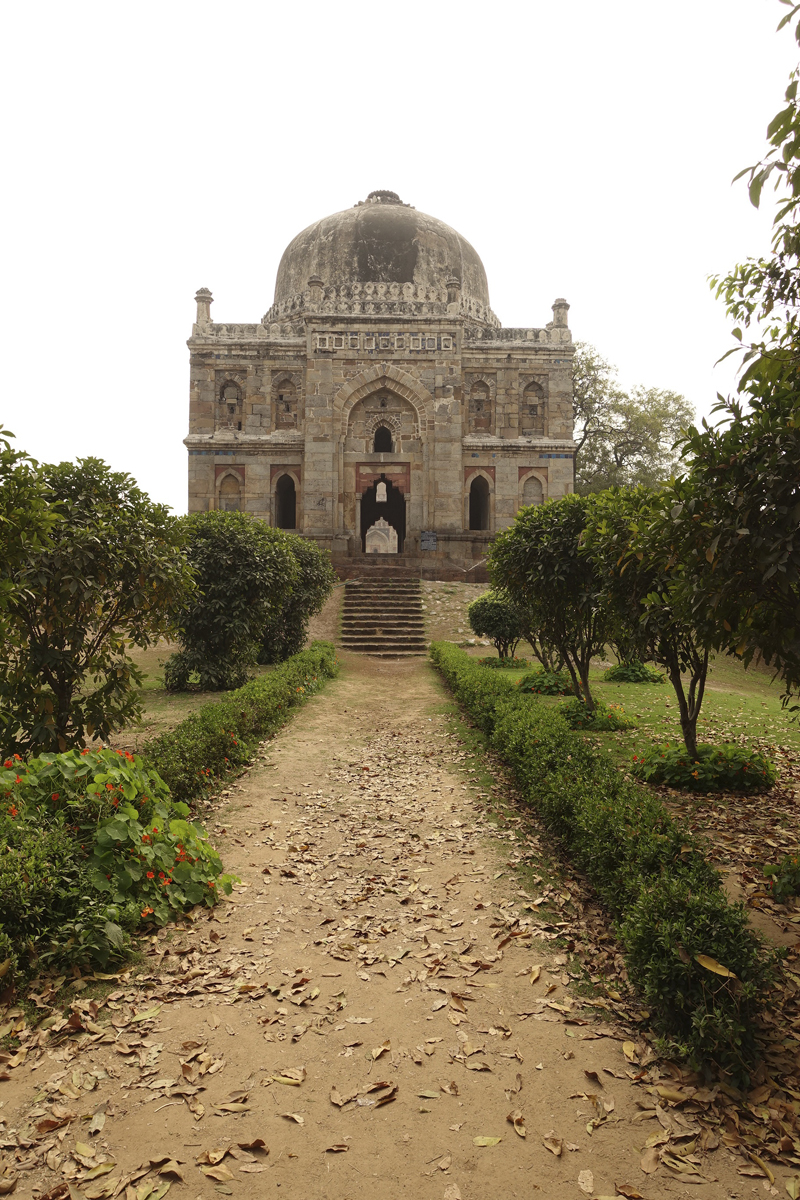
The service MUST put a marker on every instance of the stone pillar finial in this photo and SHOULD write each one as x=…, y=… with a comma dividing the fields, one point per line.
x=560, y=310
x=317, y=289
x=453, y=293
x=204, y=301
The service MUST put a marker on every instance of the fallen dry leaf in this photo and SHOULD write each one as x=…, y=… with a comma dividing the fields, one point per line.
x=294, y=1117
x=650, y=1160
x=711, y=964
x=518, y=1121
x=486, y=1141
x=554, y=1144
x=339, y=1148
x=586, y=1182
x=220, y=1173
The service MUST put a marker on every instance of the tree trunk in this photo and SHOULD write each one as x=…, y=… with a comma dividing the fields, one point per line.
x=689, y=705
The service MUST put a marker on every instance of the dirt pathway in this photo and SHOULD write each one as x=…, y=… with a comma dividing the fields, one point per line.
x=375, y=998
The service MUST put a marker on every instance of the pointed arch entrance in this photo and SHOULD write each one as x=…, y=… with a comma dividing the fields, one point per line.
x=392, y=509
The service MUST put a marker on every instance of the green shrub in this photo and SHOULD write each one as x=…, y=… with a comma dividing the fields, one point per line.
x=503, y=664
x=547, y=683
x=648, y=869
x=286, y=627
x=667, y=932
x=603, y=717
x=244, y=571
x=725, y=768
x=633, y=672
x=784, y=877
x=220, y=738
x=493, y=615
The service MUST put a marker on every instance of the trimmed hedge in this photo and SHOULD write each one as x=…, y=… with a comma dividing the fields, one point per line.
x=221, y=738
x=650, y=872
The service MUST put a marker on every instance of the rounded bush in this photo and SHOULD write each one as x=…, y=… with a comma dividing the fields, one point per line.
x=633, y=672
x=547, y=683
x=504, y=664
x=605, y=718
x=725, y=768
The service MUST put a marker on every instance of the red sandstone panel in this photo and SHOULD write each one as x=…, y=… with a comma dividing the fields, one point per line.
x=221, y=468
x=282, y=468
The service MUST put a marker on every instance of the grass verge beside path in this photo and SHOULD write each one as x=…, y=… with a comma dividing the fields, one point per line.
x=692, y=954
x=220, y=738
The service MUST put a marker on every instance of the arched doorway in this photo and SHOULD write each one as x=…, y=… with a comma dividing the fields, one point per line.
x=392, y=509
x=285, y=503
x=479, y=503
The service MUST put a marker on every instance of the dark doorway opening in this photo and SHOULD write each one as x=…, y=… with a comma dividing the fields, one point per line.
x=392, y=509
x=383, y=440
x=286, y=503
x=479, y=503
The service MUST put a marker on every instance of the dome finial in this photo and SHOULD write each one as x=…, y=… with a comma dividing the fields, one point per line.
x=382, y=197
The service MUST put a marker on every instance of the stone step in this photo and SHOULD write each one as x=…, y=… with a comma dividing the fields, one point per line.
x=384, y=643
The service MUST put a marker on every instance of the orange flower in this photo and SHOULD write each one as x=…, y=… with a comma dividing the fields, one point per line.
x=146, y=911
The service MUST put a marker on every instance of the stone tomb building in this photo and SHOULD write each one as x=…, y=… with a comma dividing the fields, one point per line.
x=380, y=389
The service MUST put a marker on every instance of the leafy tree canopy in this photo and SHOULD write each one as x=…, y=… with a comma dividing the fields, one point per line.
x=244, y=571
x=538, y=563
x=736, y=517
x=110, y=575
x=623, y=438
x=26, y=516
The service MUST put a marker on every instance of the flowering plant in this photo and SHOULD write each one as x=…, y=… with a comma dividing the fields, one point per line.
x=725, y=768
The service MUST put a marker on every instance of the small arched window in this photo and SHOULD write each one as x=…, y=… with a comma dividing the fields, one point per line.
x=230, y=494
x=383, y=440
x=479, y=504
x=285, y=503
x=532, y=410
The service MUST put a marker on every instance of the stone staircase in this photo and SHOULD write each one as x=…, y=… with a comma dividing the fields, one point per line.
x=383, y=617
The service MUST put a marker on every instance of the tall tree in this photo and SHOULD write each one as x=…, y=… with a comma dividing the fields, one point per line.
x=623, y=438
x=109, y=576
x=537, y=562
x=628, y=538
x=736, y=517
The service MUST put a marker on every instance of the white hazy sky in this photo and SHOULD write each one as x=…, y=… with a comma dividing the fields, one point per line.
x=586, y=149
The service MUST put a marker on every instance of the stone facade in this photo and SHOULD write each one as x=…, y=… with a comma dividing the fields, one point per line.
x=392, y=370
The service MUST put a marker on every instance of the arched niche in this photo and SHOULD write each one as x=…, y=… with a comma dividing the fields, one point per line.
x=229, y=405
x=532, y=411
x=381, y=423
x=229, y=493
x=480, y=407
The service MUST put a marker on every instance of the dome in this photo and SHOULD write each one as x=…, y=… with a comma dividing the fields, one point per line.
x=381, y=250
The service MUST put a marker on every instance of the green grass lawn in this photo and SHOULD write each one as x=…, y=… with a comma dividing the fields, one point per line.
x=738, y=704
x=163, y=710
